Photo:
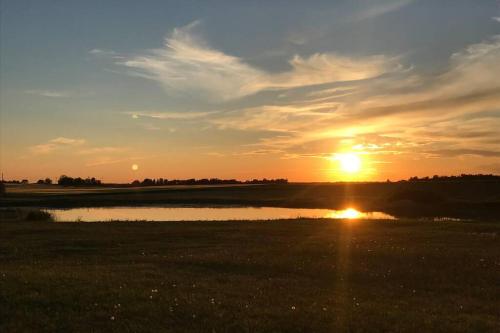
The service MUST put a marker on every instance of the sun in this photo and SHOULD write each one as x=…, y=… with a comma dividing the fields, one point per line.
x=349, y=162
x=135, y=167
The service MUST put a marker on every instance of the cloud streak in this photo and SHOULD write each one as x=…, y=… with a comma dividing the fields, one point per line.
x=49, y=93
x=381, y=9
x=188, y=64
x=371, y=104
x=76, y=146
x=169, y=115
x=463, y=100
x=55, y=144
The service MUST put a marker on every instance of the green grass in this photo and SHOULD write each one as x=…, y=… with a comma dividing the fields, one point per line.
x=293, y=276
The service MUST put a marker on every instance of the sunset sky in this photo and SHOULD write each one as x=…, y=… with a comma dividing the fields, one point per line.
x=249, y=89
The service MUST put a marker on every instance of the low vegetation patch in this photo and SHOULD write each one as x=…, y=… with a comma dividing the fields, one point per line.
x=25, y=214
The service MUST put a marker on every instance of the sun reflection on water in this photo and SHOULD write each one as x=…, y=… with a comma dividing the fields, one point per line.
x=349, y=213
x=173, y=213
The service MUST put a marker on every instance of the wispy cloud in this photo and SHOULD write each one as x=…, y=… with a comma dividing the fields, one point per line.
x=381, y=8
x=188, y=64
x=55, y=144
x=50, y=93
x=107, y=160
x=67, y=141
x=106, y=54
x=354, y=11
x=73, y=146
x=151, y=127
x=461, y=103
x=101, y=150
x=465, y=151
x=329, y=68
x=81, y=150
x=102, y=52
x=187, y=115
x=349, y=101
x=59, y=93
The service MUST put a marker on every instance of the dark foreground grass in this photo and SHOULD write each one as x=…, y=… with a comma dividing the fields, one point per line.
x=289, y=276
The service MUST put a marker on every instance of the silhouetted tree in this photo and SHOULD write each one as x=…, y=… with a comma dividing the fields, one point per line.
x=462, y=177
x=65, y=180
x=205, y=181
x=147, y=182
x=69, y=181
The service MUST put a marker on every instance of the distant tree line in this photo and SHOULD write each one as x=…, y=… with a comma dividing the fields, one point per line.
x=78, y=181
x=205, y=181
x=70, y=181
x=24, y=181
x=462, y=177
x=46, y=181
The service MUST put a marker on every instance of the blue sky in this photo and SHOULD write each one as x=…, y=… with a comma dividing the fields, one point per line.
x=248, y=88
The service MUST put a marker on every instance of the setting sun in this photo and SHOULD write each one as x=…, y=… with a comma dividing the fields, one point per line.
x=135, y=167
x=349, y=162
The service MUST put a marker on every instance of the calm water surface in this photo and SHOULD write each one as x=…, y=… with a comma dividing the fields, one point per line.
x=205, y=214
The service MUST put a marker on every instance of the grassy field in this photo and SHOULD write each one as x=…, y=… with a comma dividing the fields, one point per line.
x=293, y=276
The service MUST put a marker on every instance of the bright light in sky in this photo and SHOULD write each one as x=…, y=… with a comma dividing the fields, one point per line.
x=135, y=167
x=349, y=162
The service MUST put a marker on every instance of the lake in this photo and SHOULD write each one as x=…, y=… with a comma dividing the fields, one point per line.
x=205, y=214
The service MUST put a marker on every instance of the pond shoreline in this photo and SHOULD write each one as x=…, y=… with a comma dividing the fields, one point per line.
x=478, y=200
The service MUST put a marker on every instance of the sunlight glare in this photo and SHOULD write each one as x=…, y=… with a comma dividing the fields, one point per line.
x=135, y=167
x=349, y=162
x=350, y=213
